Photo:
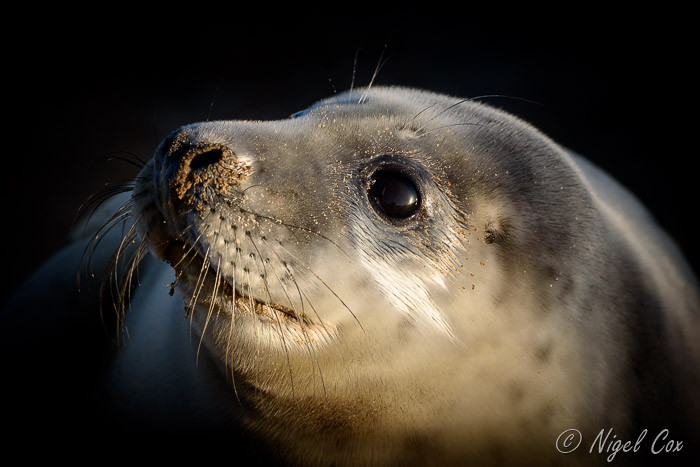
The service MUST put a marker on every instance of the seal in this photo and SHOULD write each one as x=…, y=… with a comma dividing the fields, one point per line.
x=395, y=276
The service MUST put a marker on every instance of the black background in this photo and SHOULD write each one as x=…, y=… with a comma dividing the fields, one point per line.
x=619, y=91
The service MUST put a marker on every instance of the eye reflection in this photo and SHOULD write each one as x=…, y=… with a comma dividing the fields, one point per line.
x=394, y=194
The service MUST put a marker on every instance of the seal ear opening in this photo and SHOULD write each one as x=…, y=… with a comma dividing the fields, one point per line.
x=495, y=232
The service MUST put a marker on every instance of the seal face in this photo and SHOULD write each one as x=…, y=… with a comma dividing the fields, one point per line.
x=406, y=276
x=231, y=197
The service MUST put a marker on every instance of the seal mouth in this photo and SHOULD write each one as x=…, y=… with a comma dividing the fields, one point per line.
x=190, y=266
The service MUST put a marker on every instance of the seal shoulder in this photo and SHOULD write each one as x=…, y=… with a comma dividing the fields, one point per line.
x=654, y=250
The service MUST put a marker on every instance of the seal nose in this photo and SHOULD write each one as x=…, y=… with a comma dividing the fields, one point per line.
x=198, y=170
x=180, y=146
x=206, y=158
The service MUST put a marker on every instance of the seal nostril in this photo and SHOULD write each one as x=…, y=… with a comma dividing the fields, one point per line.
x=206, y=158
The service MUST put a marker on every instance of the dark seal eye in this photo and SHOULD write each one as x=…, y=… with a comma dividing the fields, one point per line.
x=394, y=194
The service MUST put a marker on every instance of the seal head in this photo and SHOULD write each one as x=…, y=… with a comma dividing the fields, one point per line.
x=395, y=273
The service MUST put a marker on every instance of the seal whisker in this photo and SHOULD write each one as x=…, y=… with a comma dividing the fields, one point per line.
x=379, y=66
x=448, y=126
x=229, y=356
x=90, y=248
x=268, y=302
x=290, y=226
x=423, y=110
x=308, y=268
x=354, y=70
x=312, y=351
x=127, y=238
x=301, y=298
x=113, y=277
x=191, y=245
x=128, y=275
x=253, y=186
x=300, y=315
x=204, y=269
x=299, y=291
x=95, y=200
x=129, y=158
x=181, y=234
x=127, y=281
x=122, y=214
x=304, y=330
x=212, y=305
x=211, y=104
x=212, y=301
x=504, y=96
x=108, y=279
x=446, y=109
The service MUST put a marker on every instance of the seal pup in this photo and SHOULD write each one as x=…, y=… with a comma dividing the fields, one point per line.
x=394, y=276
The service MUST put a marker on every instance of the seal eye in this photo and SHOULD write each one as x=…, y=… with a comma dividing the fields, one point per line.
x=393, y=194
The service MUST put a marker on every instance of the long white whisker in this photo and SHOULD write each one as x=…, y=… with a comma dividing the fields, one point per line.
x=268, y=302
x=380, y=64
x=449, y=126
x=212, y=305
x=308, y=268
x=446, y=109
x=229, y=343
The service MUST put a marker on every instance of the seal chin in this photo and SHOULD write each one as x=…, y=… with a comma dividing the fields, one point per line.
x=209, y=289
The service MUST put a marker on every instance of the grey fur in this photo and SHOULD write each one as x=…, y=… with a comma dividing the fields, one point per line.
x=531, y=293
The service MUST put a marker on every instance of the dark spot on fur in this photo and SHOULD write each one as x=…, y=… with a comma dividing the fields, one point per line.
x=516, y=393
x=587, y=305
x=542, y=309
x=543, y=353
x=415, y=442
x=404, y=330
x=495, y=454
x=492, y=236
x=547, y=413
x=568, y=285
x=550, y=272
x=496, y=231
